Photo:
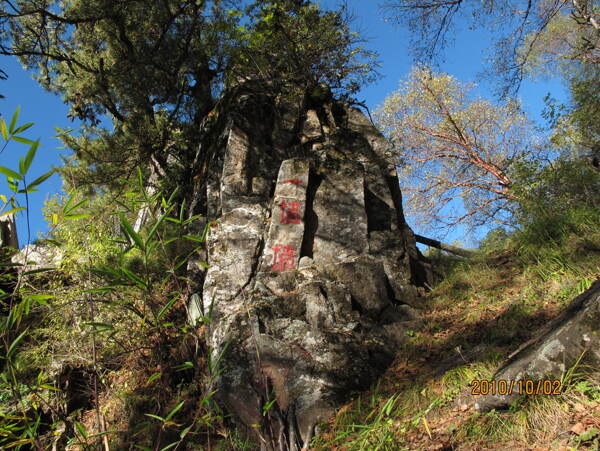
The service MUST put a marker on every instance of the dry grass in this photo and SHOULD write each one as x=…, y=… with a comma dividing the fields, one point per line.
x=480, y=313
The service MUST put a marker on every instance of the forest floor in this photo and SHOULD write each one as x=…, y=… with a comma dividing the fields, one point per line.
x=482, y=310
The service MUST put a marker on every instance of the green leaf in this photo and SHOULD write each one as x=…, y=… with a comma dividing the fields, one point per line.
x=156, y=417
x=40, y=298
x=26, y=190
x=134, y=278
x=192, y=219
x=22, y=128
x=11, y=211
x=140, y=178
x=37, y=271
x=268, y=406
x=170, y=446
x=10, y=173
x=13, y=121
x=4, y=130
x=48, y=387
x=81, y=429
x=78, y=216
x=197, y=239
x=99, y=327
x=22, y=140
x=131, y=233
x=41, y=179
x=184, y=366
x=29, y=157
x=175, y=410
x=158, y=223
x=108, y=289
x=67, y=209
x=166, y=308
x=154, y=377
x=13, y=347
x=12, y=184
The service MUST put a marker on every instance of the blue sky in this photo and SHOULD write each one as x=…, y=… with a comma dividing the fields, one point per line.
x=464, y=60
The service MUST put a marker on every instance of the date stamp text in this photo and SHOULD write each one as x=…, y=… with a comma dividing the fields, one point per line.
x=521, y=387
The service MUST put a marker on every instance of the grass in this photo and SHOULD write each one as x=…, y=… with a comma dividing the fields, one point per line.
x=479, y=313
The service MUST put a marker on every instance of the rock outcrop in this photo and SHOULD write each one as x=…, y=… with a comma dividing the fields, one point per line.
x=572, y=337
x=314, y=276
x=8, y=232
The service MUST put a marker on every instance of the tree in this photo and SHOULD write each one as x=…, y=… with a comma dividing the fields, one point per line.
x=523, y=29
x=454, y=146
x=158, y=69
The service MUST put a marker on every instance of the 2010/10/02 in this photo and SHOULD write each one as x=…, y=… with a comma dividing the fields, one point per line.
x=510, y=386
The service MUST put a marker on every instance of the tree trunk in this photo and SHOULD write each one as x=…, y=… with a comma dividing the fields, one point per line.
x=445, y=247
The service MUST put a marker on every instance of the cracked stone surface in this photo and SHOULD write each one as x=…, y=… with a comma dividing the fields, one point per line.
x=314, y=275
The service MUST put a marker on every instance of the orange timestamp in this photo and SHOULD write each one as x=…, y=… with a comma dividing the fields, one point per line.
x=521, y=387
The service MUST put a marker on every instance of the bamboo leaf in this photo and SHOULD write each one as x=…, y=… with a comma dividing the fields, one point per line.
x=77, y=216
x=158, y=223
x=22, y=140
x=4, y=130
x=37, y=271
x=30, y=156
x=40, y=298
x=134, y=278
x=13, y=121
x=175, y=410
x=166, y=308
x=13, y=347
x=40, y=179
x=197, y=239
x=12, y=184
x=154, y=377
x=67, y=209
x=131, y=233
x=184, y=366
x=11, y=211
x=10, y=173
x=22, y=128
x=81, y=429
x=156, y=417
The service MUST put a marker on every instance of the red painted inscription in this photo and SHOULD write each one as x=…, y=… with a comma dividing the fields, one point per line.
x=284, y=258
x=290, y=212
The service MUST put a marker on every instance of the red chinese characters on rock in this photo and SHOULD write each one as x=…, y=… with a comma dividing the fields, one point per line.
x=290, y=212
x=284, y=258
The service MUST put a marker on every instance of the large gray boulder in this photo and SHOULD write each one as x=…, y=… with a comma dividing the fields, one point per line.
x=573, y=336
x=314, y=276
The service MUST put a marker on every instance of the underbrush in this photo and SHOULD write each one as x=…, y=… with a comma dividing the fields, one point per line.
x=482, y=310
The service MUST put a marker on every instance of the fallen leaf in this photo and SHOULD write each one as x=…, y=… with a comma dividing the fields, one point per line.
x=578, y=428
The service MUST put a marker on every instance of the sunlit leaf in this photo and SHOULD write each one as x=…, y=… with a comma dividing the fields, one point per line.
x=13, y=121
x=10, y=173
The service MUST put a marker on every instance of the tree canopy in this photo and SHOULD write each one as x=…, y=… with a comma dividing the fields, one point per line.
x=524, y=30
x=157, y=69
x=452, y=145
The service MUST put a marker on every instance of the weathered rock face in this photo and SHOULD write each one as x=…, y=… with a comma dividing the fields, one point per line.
x=314, y=274
x=574, y=335
x=8, y=232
